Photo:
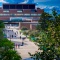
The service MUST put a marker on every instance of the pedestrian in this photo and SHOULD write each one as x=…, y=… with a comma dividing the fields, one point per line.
x=12, y=36
x=22, y=43
x=20, y=37
x=18, y=45
x=15, y=33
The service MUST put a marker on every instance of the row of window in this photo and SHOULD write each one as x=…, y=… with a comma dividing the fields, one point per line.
x=18, y=6
x=20, y=14
x=7, y=11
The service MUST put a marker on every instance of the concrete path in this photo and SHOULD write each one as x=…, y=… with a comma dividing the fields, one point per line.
x=28, y=46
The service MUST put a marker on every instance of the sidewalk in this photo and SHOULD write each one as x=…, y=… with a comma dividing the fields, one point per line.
x=27, y=47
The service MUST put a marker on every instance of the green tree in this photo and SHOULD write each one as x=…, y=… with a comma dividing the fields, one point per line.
x=49, y=40
x=1, y=24
x=6, y=47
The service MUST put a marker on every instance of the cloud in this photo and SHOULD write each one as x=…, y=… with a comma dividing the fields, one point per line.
x=41, y=6
x=3, y=1
x=51, y=7
x=26, y=1
x=41, y=0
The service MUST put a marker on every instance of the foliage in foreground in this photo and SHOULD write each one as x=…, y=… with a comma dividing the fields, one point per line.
x=49, y=37
x=7, y=51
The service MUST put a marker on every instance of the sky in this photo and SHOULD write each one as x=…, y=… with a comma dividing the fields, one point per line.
x=47, y=5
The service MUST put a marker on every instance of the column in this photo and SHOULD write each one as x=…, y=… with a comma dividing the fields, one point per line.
x=19, y=25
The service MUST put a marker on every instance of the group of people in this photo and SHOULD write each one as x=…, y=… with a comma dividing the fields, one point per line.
x=18, y=45
x=14, y=35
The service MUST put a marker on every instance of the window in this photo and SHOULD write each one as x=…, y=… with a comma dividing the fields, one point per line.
x=12, y=14
x=33, y=10
x=18, y=14
x=19, y=11
x=25, y=6
x=1, y=14
x=26, y=14
x=33, y=14
x=12, y=6
x=5, y=6
x=4, y=14
x=39, y=14
x=6, y=11
x=32, y=6
x=18, y=6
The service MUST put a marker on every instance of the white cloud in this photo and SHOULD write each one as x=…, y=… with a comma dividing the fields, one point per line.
x=41, y=0
x=3, y=1
x=51, y=7
x=46, y=7
x=41, y=6
x=26, y=1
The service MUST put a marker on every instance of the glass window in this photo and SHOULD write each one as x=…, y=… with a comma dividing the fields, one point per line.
x=19, y=11
x=4, y=14
x=12, y=14
x=12, y=6
x=26, y=14
x=18, y=14
x=5, y=10
x=33, y=10
x=1, y=14
x=32, y=6
x=25, y=6
x=18, y=6
x=33, y=14
x=39, y=14
x=5, y=6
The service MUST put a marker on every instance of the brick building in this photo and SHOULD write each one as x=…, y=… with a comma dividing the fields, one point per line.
x=26, y=15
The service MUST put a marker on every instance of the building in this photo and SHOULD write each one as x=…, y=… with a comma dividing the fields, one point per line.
x=26, y=15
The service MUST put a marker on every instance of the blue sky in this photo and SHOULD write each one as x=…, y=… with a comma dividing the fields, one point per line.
x=47, y=5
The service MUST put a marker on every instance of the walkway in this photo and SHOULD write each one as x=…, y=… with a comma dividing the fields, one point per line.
x=28, y=46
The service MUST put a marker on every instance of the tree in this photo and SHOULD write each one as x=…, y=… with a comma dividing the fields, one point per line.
x=6, y=48
x=49, y=40
x=1, y=24
x=1, y=33
x=11, y=55
x=57, y=32
x=42, y=23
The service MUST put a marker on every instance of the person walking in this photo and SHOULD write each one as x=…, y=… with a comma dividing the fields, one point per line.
x=22, y=43
x=18, y=45
x=20, y=37
x=12, y=36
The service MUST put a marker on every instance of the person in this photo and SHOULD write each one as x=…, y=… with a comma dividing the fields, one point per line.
x=20, y=37
x=12, y=36
x=18, y=45
x=22, y=43
x=15, y=33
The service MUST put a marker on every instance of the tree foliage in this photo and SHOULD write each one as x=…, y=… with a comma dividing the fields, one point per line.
x=49, y=37
x=6, y=47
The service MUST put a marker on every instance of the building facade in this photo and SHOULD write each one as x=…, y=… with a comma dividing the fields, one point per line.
x=26, y=15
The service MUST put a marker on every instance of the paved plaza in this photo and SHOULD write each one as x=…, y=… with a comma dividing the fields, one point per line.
x=13, y=34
